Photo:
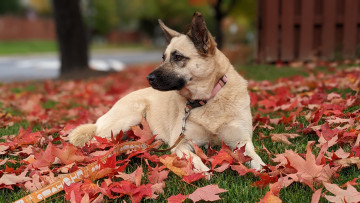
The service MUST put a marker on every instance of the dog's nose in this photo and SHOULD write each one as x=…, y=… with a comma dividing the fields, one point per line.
x=151, y=77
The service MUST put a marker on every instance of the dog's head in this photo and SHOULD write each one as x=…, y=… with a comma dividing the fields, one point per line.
x=187, y=59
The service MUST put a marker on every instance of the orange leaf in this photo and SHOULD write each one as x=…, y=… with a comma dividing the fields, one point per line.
x=169, y=163
x=270, y=198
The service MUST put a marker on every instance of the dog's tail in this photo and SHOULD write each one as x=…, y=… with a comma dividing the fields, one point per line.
x=82, y=134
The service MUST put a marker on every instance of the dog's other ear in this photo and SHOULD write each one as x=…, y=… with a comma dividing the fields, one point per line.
x=168, y=33
x=200, y=35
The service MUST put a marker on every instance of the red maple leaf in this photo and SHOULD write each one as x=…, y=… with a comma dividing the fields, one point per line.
x=89, y=187
x=73, y=192
x=134, y=177
x=192, y=178
x=68, y=154
x=135, y=193
x=143, y=133
x=26, y=137
x=179, y=198
x=327, y=132
x=157, y=175
x=242, y=169
x=264, y=180
x=44, y=158
x=224, y=155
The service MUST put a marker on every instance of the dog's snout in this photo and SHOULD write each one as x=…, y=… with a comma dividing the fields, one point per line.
x=151, y=77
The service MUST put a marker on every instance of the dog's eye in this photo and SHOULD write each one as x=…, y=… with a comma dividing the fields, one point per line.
x=163, y=57
x=178, y=57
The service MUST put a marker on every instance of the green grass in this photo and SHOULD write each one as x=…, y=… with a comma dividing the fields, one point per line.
x=27, y=47
x=268, y=72
x=43, y=46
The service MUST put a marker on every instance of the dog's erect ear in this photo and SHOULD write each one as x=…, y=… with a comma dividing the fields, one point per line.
x=200, y=35
x=168, y=33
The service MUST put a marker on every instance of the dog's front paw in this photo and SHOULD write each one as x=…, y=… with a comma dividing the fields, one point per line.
x=82, y=134
x=257, y=165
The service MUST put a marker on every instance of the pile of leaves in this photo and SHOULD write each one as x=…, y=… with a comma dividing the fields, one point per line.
x=319, y=138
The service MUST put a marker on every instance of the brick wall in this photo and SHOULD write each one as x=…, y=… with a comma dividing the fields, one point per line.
x=17, y=28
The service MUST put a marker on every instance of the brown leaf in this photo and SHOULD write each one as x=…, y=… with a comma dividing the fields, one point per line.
x=283, y=137
x=346, y=162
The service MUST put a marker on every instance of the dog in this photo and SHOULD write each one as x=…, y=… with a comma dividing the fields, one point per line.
x=194, y=73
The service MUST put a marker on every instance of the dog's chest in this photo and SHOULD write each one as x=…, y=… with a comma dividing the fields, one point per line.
x=209, y=121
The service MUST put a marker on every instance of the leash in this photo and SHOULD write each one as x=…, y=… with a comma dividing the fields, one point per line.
x=181, y=136
x=90, y=171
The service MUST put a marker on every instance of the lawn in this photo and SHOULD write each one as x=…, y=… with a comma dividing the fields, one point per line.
x=306, y=128
x=48, y=46
x=27, y=47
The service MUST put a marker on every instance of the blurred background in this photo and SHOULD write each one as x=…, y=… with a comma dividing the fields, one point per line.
x=42, y=39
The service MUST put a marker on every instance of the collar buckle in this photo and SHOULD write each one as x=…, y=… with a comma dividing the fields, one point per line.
x=191, y=104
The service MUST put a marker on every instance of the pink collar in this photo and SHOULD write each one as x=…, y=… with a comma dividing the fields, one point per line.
x=197, y=103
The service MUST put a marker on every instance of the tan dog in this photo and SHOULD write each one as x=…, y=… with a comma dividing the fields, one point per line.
x=192, y=70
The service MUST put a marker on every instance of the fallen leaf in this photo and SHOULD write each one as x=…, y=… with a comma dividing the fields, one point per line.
x=207, y=193
x=134, y=177
x=157, y=175
x=346, y=162
x=192, y=178
x=283, y=137
x=348, y=195
x=270, y=198
x=179, y=198
x=68, y=154
x=316, y=196
x=220, y=157
x=12, y=179
x=168, y=161
x=144, y=134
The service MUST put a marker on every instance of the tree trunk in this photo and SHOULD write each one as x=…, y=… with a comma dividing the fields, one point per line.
x=71, y=35
x=219, y=15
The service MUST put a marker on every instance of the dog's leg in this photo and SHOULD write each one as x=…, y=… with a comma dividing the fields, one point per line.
x=184, y=149
x=236, y=135
x=256, y=162
x=193, y=135
x=124, y=114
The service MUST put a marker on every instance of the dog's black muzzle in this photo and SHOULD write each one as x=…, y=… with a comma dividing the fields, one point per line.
x=164, y=80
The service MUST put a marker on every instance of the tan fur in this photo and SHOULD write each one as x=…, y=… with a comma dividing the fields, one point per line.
x=226, y=117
